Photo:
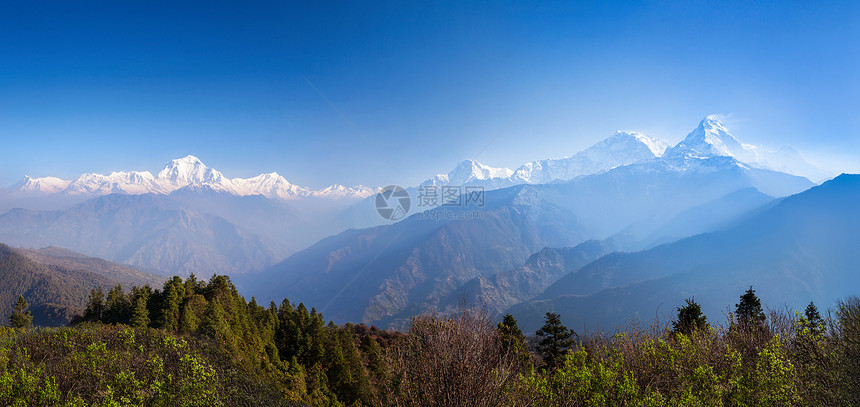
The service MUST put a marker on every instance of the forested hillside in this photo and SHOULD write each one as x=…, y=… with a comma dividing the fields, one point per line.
x=56, y=286
x=196, y=343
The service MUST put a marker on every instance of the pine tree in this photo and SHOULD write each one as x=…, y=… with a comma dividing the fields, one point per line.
x=117, y=307
x=375, y=360
x=556, y=340
x=749, y=311
x=170, y=312
x=813, y=321
x=140, y=314
x=514, y=341
x=187, y=318
x=95, y=306
x=21, y=317
x=346, y=374
x=690, y=318
x=377, y=366
x=215, y=324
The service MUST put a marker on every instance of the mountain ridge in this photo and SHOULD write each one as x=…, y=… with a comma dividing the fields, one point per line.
x=179, y=173
x=798, y=250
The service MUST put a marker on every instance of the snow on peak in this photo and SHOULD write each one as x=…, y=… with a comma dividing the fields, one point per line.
x=189, y=170
x=270, y=185
x=338, y=191
x=621, y=148
x=47, y=185
x=657, y=147
x=469, y=170
x=132, y=182
x=712, y=139
x=184, y=172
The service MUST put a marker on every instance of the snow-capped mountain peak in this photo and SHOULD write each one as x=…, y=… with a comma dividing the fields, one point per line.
x=132, y=182
x=469, y=170
x=179, y=173
x=40, y=185
x=657, y=147
x=338, y=191
x=271, y=185
x=712, y=139
x=189, y=170
x=621, y=148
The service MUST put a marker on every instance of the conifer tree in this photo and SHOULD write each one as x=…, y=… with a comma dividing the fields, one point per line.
x=21, y=317
x=690, y=318
x=378, y=368
x=357, y=387
x=813, y=321
x=749, y=311
x=140, y=314
x=215, y=324
x=514, y=341
x=170, y=312
x=375, y=359
x=117, y=308
x=95, y=306
x=188, y=321
x=556, y=340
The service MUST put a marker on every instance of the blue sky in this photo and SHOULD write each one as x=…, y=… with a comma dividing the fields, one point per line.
x=381, y=93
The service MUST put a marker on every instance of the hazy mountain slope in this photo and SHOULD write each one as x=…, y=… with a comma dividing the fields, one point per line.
x=801, y=249
x=500, y=291
x=55, y=293
x=622, y=148
x=388, y=273
x=275, y=222
x=142, y=230
x=715, y=215
x=378, y=273
x=73, y=261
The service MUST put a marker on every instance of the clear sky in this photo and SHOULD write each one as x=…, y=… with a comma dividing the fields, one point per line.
x=377, y=93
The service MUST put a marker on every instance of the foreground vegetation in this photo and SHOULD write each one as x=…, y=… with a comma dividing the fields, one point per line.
x=196, y=343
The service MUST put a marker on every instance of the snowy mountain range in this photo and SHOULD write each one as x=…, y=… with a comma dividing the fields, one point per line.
x=188, y=172
x=710, y=139
x=628, y=192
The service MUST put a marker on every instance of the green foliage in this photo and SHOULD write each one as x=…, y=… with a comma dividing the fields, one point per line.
x=103, y=365
x=514, y=341
x=690, y=318
x=140, y=313
x=556, y=340
x=95, y=306
x=583, y=381
x=21, y=317
x=57, y=285
x=117, y=307
x=289, y=348
x=201, y=343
